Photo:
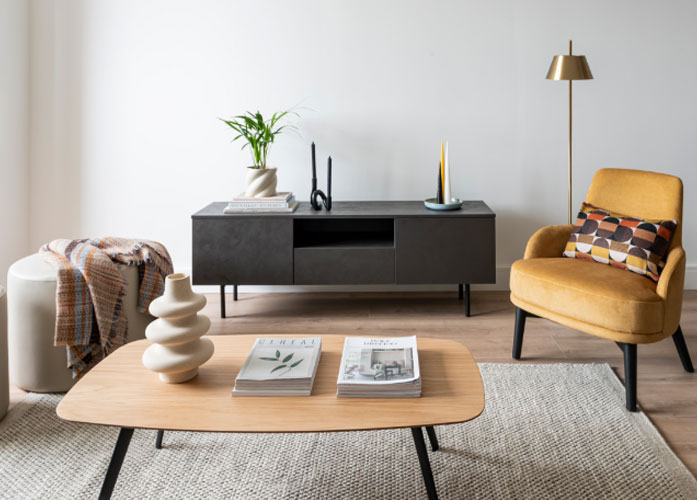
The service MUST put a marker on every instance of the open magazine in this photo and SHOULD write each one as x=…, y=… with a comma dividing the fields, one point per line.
x=279, y=367
x=379, y=367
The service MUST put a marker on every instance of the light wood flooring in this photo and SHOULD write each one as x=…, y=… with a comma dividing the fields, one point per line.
x=665, y=392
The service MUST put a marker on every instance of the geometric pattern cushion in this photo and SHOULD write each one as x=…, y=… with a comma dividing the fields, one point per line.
x=625, y=242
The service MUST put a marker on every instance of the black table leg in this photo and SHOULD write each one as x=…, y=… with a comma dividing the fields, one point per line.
x=460, y=293
x=112, y=473
x=234, y=292
x=418, y=436
x=222, y=301
x=433, y=438
x=158, y=441
x=467, y=300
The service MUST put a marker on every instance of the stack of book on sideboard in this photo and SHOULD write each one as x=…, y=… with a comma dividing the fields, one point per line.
x=379, y=368
x=279, y=367
x=279, y=203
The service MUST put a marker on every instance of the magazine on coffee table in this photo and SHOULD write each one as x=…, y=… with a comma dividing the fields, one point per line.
x=279, y=367
x=379, y=368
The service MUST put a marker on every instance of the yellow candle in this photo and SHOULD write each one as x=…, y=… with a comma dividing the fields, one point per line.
x=442, y=170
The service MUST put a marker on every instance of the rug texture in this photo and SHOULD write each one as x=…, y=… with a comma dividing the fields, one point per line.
x=548, y=431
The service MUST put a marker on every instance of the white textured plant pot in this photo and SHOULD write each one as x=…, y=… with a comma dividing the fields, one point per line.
x=261, y=182
x=178, y=349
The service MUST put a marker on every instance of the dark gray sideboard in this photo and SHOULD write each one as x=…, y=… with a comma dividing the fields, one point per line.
x=359, y=242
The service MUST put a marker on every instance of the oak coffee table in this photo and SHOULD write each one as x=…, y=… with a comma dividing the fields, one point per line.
x=121, y=392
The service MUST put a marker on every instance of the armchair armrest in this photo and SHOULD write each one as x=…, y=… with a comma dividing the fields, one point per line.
x=549, y=241
x=670, y=287
x=672, y=277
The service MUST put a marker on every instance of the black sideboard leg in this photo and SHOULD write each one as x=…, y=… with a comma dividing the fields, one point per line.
x=425, y=464
x=222, y=301
x=158, y=441
x=460, y=293
x=112, y=473
x=433, y=438
x=234, y=292
x=467, y=300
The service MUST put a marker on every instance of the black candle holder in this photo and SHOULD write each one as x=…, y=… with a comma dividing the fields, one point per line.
x=326, y=199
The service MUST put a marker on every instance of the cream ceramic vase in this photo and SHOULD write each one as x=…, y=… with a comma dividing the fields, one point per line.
x=261, y=182
x=178, y=349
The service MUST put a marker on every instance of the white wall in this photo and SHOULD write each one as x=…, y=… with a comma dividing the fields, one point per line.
x=57, y=166
x=14, y=148
x=125, y=97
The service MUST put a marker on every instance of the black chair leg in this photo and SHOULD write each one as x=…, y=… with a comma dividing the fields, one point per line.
x=520, y=316
x=629, y=374
x=684, y=354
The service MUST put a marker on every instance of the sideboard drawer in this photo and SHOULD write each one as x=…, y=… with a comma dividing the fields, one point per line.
x=455, y=250
x=344, y=266
x=243, y=251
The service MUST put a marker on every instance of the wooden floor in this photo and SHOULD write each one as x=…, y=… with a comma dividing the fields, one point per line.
x=665, y=392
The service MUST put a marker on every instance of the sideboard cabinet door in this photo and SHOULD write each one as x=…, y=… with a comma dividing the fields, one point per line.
x=243, y=251
x=441, y=251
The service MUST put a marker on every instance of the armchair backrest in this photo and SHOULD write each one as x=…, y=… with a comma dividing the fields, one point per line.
x=639, y=193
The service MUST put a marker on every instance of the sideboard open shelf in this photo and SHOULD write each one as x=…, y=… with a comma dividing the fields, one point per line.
x=392, y=242
x=349, y=233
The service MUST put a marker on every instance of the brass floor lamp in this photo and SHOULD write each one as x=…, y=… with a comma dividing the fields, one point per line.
x=569, y=68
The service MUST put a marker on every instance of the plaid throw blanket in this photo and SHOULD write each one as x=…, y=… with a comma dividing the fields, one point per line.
x=90, y=291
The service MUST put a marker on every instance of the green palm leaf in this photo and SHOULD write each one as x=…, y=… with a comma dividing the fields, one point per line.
x=258, y=133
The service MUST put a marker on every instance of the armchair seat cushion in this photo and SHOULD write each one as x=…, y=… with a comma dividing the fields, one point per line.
x=604, y=296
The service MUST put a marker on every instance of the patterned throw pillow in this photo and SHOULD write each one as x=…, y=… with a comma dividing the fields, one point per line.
x=626, y=242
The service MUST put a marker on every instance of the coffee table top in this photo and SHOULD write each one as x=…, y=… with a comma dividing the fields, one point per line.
x=121, y=392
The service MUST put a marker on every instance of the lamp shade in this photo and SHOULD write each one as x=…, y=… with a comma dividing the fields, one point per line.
x=569, y=68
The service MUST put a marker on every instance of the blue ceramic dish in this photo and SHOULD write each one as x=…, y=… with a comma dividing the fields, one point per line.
x=431, y=204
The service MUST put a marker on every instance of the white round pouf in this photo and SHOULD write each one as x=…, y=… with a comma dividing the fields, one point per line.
x=35, y=363
x=4, y=381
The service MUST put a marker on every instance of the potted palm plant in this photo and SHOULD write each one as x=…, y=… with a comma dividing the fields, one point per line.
x=259, y=134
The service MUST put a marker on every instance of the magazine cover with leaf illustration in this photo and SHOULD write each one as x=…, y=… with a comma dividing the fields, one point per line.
x=281, y=358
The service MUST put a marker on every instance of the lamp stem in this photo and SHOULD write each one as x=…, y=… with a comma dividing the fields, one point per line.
x=570, y=152
x=570, y=141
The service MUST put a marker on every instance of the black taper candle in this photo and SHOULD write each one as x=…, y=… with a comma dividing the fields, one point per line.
x=439, y=193
x=329, y=177
x=314, y=168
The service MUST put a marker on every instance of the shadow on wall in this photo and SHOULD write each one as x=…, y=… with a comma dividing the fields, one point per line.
x=513, y=230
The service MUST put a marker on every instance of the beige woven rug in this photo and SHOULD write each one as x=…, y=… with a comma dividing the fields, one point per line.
x=548, y=431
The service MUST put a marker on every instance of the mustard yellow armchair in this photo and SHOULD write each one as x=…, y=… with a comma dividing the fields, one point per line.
x=600, y=299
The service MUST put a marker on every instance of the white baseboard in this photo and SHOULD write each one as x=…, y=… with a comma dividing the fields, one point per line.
x=502, y=273
x=691, y=278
